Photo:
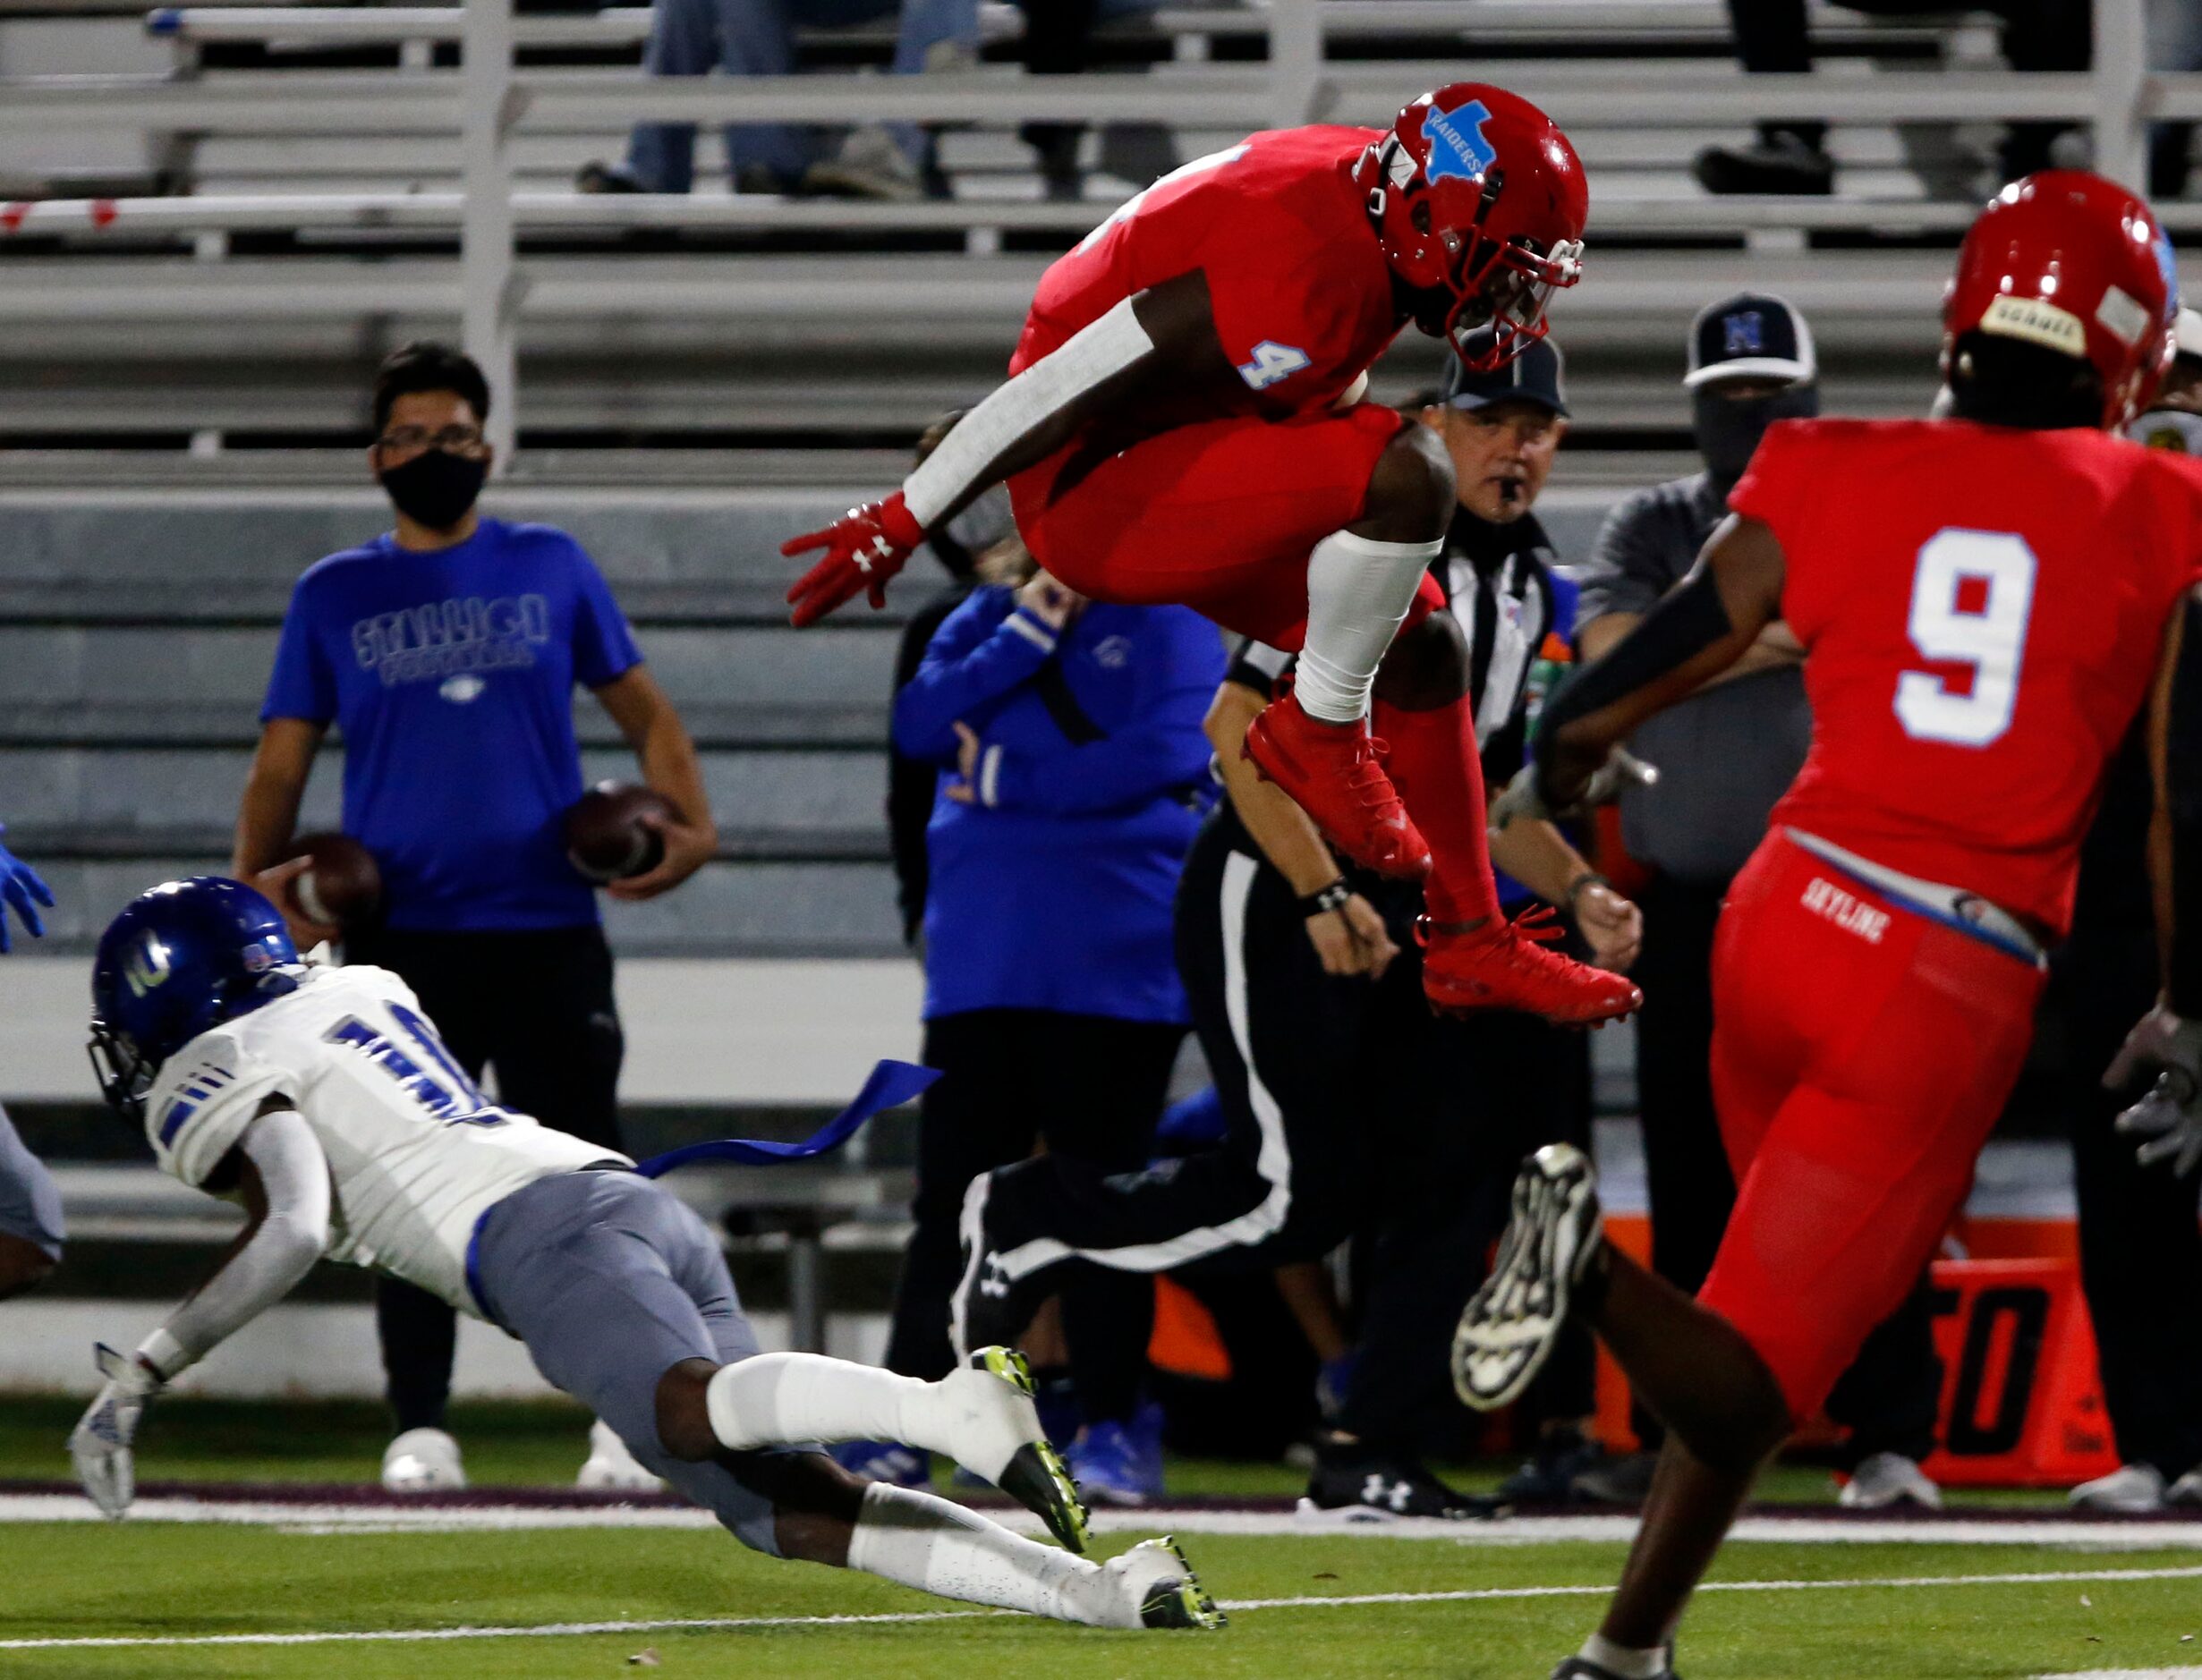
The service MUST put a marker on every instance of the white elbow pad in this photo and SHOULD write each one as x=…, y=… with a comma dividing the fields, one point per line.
x=1105, y=348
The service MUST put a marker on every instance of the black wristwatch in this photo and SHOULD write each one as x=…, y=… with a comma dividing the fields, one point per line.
x=1588, y=878
x=1324, y=900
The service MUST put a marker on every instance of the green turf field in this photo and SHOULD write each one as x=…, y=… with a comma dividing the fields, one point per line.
x=1848, y=1609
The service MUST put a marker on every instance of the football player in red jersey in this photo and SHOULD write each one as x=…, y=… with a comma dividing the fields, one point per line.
x=1184, y=424
x=1981, y=601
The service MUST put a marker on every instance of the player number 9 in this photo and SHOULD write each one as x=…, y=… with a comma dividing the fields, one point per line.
x=1986, y=632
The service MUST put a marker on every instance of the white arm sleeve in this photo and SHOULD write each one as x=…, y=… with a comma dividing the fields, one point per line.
x=1106, y=347
x=294, y=1174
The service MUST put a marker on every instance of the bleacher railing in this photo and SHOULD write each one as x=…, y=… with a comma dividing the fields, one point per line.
x=490, y=98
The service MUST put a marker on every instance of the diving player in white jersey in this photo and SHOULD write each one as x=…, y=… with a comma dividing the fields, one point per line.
x=324, y=1102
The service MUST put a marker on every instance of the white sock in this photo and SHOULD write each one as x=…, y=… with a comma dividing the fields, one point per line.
x=776, y=1398
x=1621, y=1660
x=1358, y=592
x=921, y=1540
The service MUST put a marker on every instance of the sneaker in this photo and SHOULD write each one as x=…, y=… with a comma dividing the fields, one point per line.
x=1885, y=1479
x=1511, y=966
x=1781, y=163
x=422, y=1461
x=891, y=1462
x=610, y=1464
x=990, y=1307
x=1583, y=1669
x=1623, y=1480
x=596, y=175
x=2130, y=1490
x=1335, y=773
x=1549, y=1476
x=1112, y=1465
x=991, y=1401
x=1157, y=1579
x=1353, y=1485
x=869, y=166
x=1508, y=1329
x=2187, y=1489
x=761, y=180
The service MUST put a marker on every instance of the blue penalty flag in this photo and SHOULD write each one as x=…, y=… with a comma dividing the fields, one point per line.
x=891, y=1084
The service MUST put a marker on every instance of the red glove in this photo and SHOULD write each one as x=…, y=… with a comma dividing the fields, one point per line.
x=864, y=548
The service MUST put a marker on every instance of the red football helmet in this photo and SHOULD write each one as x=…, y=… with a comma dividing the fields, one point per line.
x=2075, y=263
x=1478, y=197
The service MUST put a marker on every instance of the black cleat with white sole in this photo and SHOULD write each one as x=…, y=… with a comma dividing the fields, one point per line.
x=1035, y=1476
x=1509, y=1327
x=1355, y=1485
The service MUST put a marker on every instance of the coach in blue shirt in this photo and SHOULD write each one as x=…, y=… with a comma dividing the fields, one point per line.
x=448, y=649
x=1078, y=772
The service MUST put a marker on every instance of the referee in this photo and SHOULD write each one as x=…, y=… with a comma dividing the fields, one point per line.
x=447, y=649
x=1307, y=998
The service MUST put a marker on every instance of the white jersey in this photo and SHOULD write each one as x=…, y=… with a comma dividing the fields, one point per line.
x=416, y=1154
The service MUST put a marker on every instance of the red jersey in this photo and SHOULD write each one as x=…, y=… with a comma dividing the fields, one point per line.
x=1301, y=292
x=1983, y=609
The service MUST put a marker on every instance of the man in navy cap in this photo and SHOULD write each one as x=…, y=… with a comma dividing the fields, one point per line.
x=1724, y=756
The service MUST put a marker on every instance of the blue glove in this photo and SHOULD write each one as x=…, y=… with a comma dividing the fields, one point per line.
x=21, y=886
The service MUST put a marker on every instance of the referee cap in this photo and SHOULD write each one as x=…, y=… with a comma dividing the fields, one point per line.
x=1537, y=374
x=1751, y=336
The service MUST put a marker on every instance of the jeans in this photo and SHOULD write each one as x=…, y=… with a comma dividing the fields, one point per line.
x=757, y=37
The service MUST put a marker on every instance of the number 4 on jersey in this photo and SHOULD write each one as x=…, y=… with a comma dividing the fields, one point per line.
x=1972, y=598
x=1271, y=362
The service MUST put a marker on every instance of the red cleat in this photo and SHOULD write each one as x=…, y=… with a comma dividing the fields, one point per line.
x=1508, y=965
x=1335, y=774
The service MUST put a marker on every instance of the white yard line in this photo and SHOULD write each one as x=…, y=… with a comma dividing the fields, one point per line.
x=570, y=1630
x=2127, y=1674
x=384, y=1518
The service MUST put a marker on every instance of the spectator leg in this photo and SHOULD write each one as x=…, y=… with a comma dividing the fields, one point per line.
x=757, y=37
x=1691, y=1187
x=2140, y=1251
x=558, y=1045
x=1057, y=34
x=933, y=35
x=979, y=1116
x=1110, y=1081
x=683, y=41
x=1890, y=1396
x=418, y=1331
x=1772, y=39
x=2041, y=35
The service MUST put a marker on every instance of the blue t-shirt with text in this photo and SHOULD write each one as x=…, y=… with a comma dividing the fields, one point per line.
x=452, y=675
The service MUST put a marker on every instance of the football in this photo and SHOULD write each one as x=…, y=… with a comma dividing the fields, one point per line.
x=341, y=886
x=606, y=837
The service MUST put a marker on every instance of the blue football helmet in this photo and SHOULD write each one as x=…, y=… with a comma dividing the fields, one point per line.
x=180, y=959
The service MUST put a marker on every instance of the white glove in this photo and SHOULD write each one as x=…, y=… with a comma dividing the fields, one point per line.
x=2170, y=1117
x=1521, y=797
x=101, y=1442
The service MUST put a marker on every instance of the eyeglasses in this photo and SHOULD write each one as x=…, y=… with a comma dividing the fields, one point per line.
x=460, y=440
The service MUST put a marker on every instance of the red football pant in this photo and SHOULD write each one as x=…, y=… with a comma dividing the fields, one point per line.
x=1220, y=516
x=1861, y=1054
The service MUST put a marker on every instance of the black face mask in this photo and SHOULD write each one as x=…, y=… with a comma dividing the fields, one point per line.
x=1728, y=429
x=435, y=488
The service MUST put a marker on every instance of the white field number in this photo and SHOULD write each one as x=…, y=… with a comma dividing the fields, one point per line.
x=1990, y=638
